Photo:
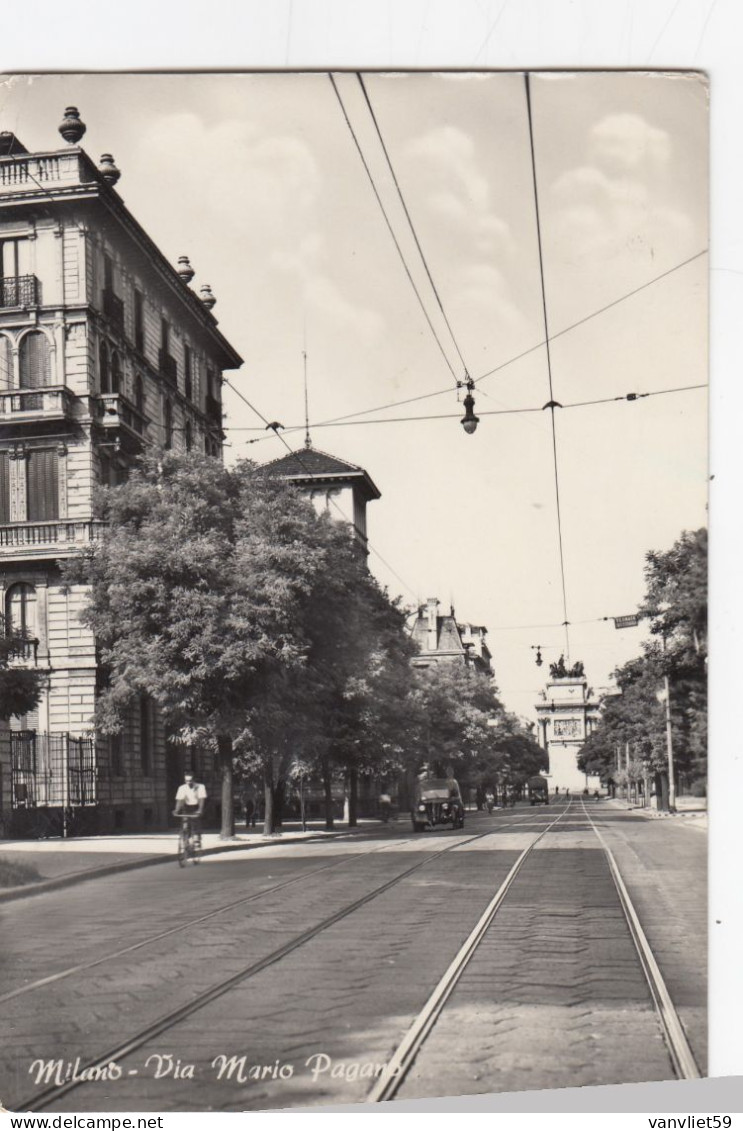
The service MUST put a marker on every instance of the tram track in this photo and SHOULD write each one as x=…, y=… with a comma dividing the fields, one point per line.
x=41, y=1100
x=399, y=1064
x=110, y=956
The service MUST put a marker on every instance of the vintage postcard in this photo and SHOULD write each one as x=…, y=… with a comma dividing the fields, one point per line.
x=353, y=581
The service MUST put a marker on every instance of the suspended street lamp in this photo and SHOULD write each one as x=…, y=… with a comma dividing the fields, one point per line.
x=538, y=649
x=469, y=421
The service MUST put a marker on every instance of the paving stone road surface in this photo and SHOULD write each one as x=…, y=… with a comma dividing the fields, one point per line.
x=554, y=996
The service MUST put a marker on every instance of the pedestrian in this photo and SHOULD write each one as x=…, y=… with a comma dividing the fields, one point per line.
x=567, y=794
x=595, y=795
x=249, y=805
x=385, y=806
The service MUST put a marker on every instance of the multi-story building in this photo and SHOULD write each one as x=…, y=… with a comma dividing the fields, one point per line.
x=104, y=350
x=441, y=639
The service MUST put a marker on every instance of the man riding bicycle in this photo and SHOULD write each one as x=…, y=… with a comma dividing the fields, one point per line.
x=189, y=801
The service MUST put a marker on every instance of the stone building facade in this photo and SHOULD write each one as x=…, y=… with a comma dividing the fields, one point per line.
x=567, y=712
x=104, y=350
x=439, y=638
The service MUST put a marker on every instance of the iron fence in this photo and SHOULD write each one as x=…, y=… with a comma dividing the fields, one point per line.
x=52, y=770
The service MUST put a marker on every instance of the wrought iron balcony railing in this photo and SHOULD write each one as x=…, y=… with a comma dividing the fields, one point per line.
x=20, y=290
x=52, y=770
x=168, y=367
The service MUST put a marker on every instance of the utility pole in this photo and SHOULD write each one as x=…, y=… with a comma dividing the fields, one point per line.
x=665, y=697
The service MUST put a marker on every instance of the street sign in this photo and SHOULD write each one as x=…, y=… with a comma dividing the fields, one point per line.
x=626, y=622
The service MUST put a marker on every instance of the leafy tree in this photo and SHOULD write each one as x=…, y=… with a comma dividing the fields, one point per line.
x=195, y=590
x=676, y=606
x=20, y=687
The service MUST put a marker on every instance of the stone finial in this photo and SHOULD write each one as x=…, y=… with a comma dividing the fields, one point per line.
x=184, y=269
x=71, y=127
x=206, y=296
x=108, y=170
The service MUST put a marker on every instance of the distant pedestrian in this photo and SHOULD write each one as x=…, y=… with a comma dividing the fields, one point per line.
x=557, y=789
x=595, y=795
x=385, y=806
x=249, y=805
x=567, y=794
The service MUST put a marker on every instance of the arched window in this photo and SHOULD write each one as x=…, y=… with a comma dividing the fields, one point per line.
x=103, y=368
x=168, y=425
x=20, y=611
x=115, y=373
x=138, y=393
x=189, y=436
x=36, y=361
x=6, y=364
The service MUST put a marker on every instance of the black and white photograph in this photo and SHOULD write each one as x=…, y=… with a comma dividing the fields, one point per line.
x=353, y=585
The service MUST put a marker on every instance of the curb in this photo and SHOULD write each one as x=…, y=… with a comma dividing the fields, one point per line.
x=73, y=878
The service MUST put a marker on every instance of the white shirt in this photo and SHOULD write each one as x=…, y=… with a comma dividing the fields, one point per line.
x=191, y=794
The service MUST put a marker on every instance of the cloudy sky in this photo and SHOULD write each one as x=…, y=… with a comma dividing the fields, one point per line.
x=257, y=178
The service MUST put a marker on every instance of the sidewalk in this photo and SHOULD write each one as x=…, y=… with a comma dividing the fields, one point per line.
x=60, y=863
x=691, y=812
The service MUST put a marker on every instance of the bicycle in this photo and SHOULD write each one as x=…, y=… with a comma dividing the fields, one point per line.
x=189, y=842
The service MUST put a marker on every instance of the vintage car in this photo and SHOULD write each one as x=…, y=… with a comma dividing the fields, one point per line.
x=437, y=802
x=539, y=790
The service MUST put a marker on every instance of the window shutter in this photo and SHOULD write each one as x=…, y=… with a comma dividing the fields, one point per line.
x=4, y=487
x=43, y=486
x=36, y=370
x=6, y=364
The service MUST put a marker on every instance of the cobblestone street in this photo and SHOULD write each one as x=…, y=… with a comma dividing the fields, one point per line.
x=334, y=948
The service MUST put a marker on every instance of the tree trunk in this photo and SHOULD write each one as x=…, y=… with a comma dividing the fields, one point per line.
x=661, y=791
x=224, y=744
x=279, y=795
x=353, y=796
x=268, y=811
x=328, y=788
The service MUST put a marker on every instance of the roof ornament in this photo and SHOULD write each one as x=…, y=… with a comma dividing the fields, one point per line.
x=206, y=296
x=71, y=127
x=108, y=170
x=184, y=269
x=307, y=437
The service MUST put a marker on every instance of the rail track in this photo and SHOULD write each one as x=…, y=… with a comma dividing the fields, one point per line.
x=399, y=1064
x=41, y=1100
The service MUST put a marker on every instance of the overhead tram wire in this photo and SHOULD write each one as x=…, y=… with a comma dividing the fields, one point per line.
x=390, y=228
x=552, y=402
x=409, y=219
x=290, y=428
x=524, y=353
x=294, y=452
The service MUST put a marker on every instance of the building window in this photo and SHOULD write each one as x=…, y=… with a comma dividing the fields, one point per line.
x=116, y=749
x=188, y=378
x=168, y=425
x=42, y=479
x=165, y=335
x=20, y=610
x=145, y=735
x=138, y=320
x=108, y=273
x=104, y=369
x=4, y=487
x=35, y=361
x=18, y=287
x=115, y=373
x=6, y=364
x=139, y=394
x=188, y=433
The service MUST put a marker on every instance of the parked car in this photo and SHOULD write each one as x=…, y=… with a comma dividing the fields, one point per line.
x=438, y=801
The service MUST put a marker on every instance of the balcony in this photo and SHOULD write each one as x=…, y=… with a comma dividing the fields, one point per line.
x=38, y=174
x=21, y=290
x=117, y=414
x=20, y=406
x=26, y=651
x=48, y=540
x=113, y=308
x=168, y=368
